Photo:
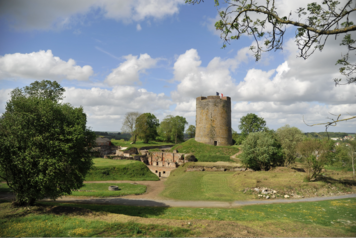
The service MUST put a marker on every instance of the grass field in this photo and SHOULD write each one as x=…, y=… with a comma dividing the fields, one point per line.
x=207, y=153
x=54, y=221
x=107, y=169
x=231, y=186
x=333, y=218
x=99, y=190
x=138, y=144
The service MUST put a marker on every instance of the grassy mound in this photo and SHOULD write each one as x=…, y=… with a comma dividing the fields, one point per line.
x=206, y=153
x=106, y=169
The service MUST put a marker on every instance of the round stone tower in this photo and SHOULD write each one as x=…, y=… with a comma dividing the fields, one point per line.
x=213, y=120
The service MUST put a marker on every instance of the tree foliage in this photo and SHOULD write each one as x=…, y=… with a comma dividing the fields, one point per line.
x=44, y=146
x=261, y=151
x=314, y=24
x=146, y=127
x=251, y=123
x=129, y=125
x=191, y=131
x=289, y=137
x=314, y=154
x=172, y=128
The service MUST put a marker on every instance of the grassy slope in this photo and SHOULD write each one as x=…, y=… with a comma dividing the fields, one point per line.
x=230, y=186
x=206, y=153
x=106, y=169
x=308, y=219
x=138, y=144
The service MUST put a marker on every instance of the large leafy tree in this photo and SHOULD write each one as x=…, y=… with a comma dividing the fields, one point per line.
x=314, y=24
x=289, y=137
x=129, y=125
x=44, y=145
x=172, y=128
x=251, y=123
x=146, y=126
x=261, y=151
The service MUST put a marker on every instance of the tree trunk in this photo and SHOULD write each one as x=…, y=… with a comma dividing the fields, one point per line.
x=134, y=139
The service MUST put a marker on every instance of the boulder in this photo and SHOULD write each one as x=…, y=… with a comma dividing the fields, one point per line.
x=113, y=188
x=286, y=196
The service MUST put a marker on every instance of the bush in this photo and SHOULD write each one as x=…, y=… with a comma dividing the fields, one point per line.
x=261, y=151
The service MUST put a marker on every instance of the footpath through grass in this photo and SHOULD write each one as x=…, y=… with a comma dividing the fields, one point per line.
x=107, y=169
x=207, y=153
x=325, y=218
x=233, y=186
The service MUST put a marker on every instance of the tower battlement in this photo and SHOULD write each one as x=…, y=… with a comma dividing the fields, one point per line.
x=213, y=120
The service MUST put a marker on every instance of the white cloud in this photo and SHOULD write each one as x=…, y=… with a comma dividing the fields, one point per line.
x=42, y=15
x=106, y=109
x=40, y=65
x=138, y=27
x=129, y=71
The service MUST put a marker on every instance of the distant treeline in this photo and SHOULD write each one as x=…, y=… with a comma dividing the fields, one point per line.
x=112, y=135
x=324, y=134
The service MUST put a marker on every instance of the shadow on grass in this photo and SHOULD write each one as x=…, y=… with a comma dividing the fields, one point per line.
x=140, y=208
x=299, y=169
x=348, y=182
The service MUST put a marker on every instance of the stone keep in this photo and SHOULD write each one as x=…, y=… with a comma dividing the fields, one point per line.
x=213, y=120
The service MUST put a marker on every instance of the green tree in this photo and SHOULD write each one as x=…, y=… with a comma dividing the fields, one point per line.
x=261, y=151
x=235, y=137
x=172, y=128
x=250, y=123
x=129, y=125
x=315, y=23
x=191, y=131
x=314, y=154
x=289, y=137
x=352, y=154
x=146, y=127
x=45, y=89
x=44, y=146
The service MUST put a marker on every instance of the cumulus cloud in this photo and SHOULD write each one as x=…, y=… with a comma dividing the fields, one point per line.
x=44, y=15
x=41, y=64
x=106, y=109
x=129, y=71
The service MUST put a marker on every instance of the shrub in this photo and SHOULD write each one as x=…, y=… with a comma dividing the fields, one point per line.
x=261, y=151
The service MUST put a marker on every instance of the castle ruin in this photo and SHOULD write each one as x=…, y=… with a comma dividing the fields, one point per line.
x=213, y=120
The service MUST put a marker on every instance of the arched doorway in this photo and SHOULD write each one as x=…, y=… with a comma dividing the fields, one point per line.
x=159, y=174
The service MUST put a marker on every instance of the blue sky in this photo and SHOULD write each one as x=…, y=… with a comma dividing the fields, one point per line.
x=157, y=56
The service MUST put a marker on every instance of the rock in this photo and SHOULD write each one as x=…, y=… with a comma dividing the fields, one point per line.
x=113, y=188
x=274, y=191
x=259, y=195
x=273, y=196
x=267, y=197
x=286, y=196
x=175, y=151
x=256, y=189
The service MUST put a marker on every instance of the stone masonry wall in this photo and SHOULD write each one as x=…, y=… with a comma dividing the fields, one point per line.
x=213, y=120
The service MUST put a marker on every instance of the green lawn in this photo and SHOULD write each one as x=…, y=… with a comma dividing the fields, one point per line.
x=107, y=169
x=100, y=162
x=100, y=189
x=233, y=186
x=138, y=144
x=324, y=218
x=207, y=153
x=57, y=221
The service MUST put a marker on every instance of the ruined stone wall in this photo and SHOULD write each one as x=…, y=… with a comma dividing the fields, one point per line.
x=213, y=120
x=165, y=159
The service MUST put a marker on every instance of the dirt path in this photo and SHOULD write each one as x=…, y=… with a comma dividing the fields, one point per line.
x=234, y=157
